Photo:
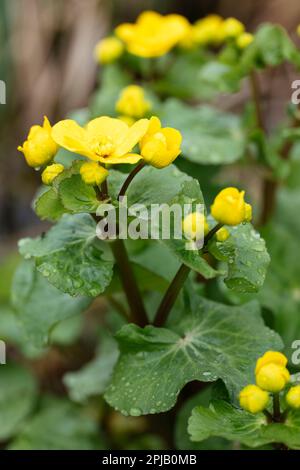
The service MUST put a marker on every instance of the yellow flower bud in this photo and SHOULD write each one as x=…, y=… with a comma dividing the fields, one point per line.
x=222, y=235
x=51, y=172
x=271, y=357
x=272, y=377
x=293, y=397
x=39, y=148
x=209, y=30
x=253, y=399
x=233, y=28
x=195, y=226
x=127, y=119
x=298, y=30
x=229, y=207
x=132, y=102
x=160, y=146
x=244, y=40
x=108, y=50
x=92, y=173
x=248, y=212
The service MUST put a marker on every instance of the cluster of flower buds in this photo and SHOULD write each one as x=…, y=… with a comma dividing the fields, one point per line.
x=272, y=376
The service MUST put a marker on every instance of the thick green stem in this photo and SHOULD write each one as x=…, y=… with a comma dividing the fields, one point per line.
x=276, y=408
x=137, y=310
x=269, y=185
x=130, y=177
x=176, y=285
x=171, y=295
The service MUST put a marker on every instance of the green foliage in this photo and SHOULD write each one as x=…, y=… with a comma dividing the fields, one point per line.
x=210, y=136
x=70, y=256
x=39, y=305
x=224, y=420
x=145, y=379
x=18, y=392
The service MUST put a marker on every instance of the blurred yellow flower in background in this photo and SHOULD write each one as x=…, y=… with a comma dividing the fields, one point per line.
x=160, y=146
x=39, y=148
x=132, y=102
x=104, y=139
x=244, y=40
x=108, y=50
x=293, y=397
x=232, y=28
x=153, y=35
x=209, y=30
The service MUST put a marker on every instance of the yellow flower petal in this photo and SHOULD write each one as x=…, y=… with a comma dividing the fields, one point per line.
x=108, y=127
x=69, y=135
x=134, y=134
x=129, y=158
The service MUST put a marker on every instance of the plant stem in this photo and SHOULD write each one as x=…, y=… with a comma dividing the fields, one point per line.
x=104, y=190
x=176, y=285
x=212, y=233
x=256, y=95
x=171, y=295
x=137, y=310
x=130, y=177
x=276, y=408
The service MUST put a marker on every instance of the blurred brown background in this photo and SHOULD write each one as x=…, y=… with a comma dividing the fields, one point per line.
x=46, y=60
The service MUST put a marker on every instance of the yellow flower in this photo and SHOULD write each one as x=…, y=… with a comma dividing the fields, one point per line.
x=104, y=139
x=39, y=148
x=160, y=146
x=244, y=40
x=253, y=399
x=108, y=50
x=51, y=172
x=248, y=212
x=232, y=28
x=93, y=173
x=195, y=226
x=298, y=30
x=222, y=235
x=127, y=119
x=229, y=207
x=271, y=357
x=153, y=35
x=272, y=377
x=293, y=397
x=209, y=30
x=132, y=102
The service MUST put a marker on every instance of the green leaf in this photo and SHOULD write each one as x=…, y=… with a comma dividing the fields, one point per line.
x=271, y=47
x=60, y=425
x=182, y=438
x=78, y=197
x=18, y=392
x=203, y=77
x=210, y=342
x=246, y=256
x=49, y=206
x=224, y=420
x=210, y=136
x=70, y=256
x=93, y=379
x=41, y=306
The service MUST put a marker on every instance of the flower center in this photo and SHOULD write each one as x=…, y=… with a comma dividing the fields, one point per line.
x=103, y=146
